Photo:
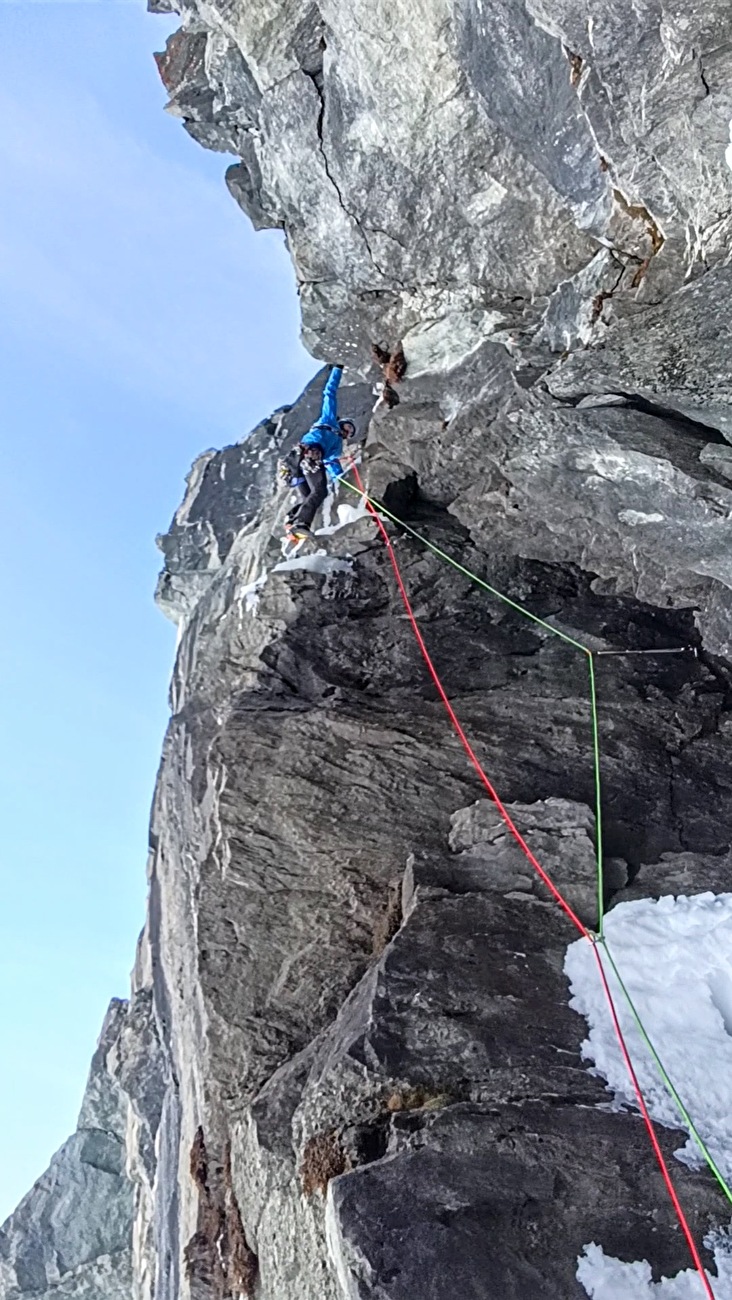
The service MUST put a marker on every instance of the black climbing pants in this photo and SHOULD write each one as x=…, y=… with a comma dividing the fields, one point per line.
x=313, y=492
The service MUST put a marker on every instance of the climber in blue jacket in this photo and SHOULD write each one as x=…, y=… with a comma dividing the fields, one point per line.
x=317, y=459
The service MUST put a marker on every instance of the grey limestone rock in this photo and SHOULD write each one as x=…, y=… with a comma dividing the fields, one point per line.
x=348, y=976
x=676, y=354
x=482, y=835
x=81, y=1233
x=429, y=158
x=619, y=491
x=349, y=982
x=327, y=972
x=484, y=1181
x=534, y=198
x=71, y=1236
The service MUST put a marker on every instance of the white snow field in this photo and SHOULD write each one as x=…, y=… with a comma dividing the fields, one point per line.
x=675, y=957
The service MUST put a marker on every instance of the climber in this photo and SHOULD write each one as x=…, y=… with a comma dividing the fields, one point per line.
x=315, y=460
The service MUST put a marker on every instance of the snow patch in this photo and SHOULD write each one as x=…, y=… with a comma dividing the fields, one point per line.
x=720, y=987
x=250, y=594
x=728, y=153
x=605, y=1278
x=675, y=957
x=327, y=514
x=634, y=517
x=320, y=562
x=345, y=514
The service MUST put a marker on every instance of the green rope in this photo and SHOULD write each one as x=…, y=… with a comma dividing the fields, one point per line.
x=600, y=939
x=466, y=572
x=521, y=609
x=693, y=1130
x=598, y=797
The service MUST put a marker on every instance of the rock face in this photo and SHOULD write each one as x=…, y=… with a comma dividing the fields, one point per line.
x=358, y=979
x=75, y=1233
x=432, y=159
x=349, y=1068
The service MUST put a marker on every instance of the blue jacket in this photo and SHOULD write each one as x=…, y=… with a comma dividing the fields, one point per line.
x=326, y=433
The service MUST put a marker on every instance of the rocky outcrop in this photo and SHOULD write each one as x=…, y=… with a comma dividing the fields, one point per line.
x=83, y=1231
x=349, y=1067
x=502, y=189
x=360, y=980
x=72, y=1234
x=535, y=199
x=498, y=164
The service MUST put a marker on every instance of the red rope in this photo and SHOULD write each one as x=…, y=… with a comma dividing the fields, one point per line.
x=651, y=1130
x=506, y=816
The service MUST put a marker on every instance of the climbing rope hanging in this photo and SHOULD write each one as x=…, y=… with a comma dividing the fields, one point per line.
x=375, y=509
x=591, y=656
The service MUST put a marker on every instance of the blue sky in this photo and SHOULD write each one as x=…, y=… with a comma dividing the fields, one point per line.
x=142, y=321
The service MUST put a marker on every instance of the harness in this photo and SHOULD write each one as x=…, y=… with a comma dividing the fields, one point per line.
x=292, y=466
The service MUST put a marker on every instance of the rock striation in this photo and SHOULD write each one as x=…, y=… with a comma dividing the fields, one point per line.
x=348, y=1067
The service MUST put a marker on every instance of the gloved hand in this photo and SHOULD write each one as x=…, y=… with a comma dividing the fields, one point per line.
x=284, y=473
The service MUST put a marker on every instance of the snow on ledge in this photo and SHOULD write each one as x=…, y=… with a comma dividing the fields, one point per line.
x=675, y=956
x=605, y=1278
x=249, y=595
x=319, y=562
x=346, y=513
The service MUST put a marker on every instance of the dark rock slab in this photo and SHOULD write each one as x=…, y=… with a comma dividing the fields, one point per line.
x=501, y=1202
